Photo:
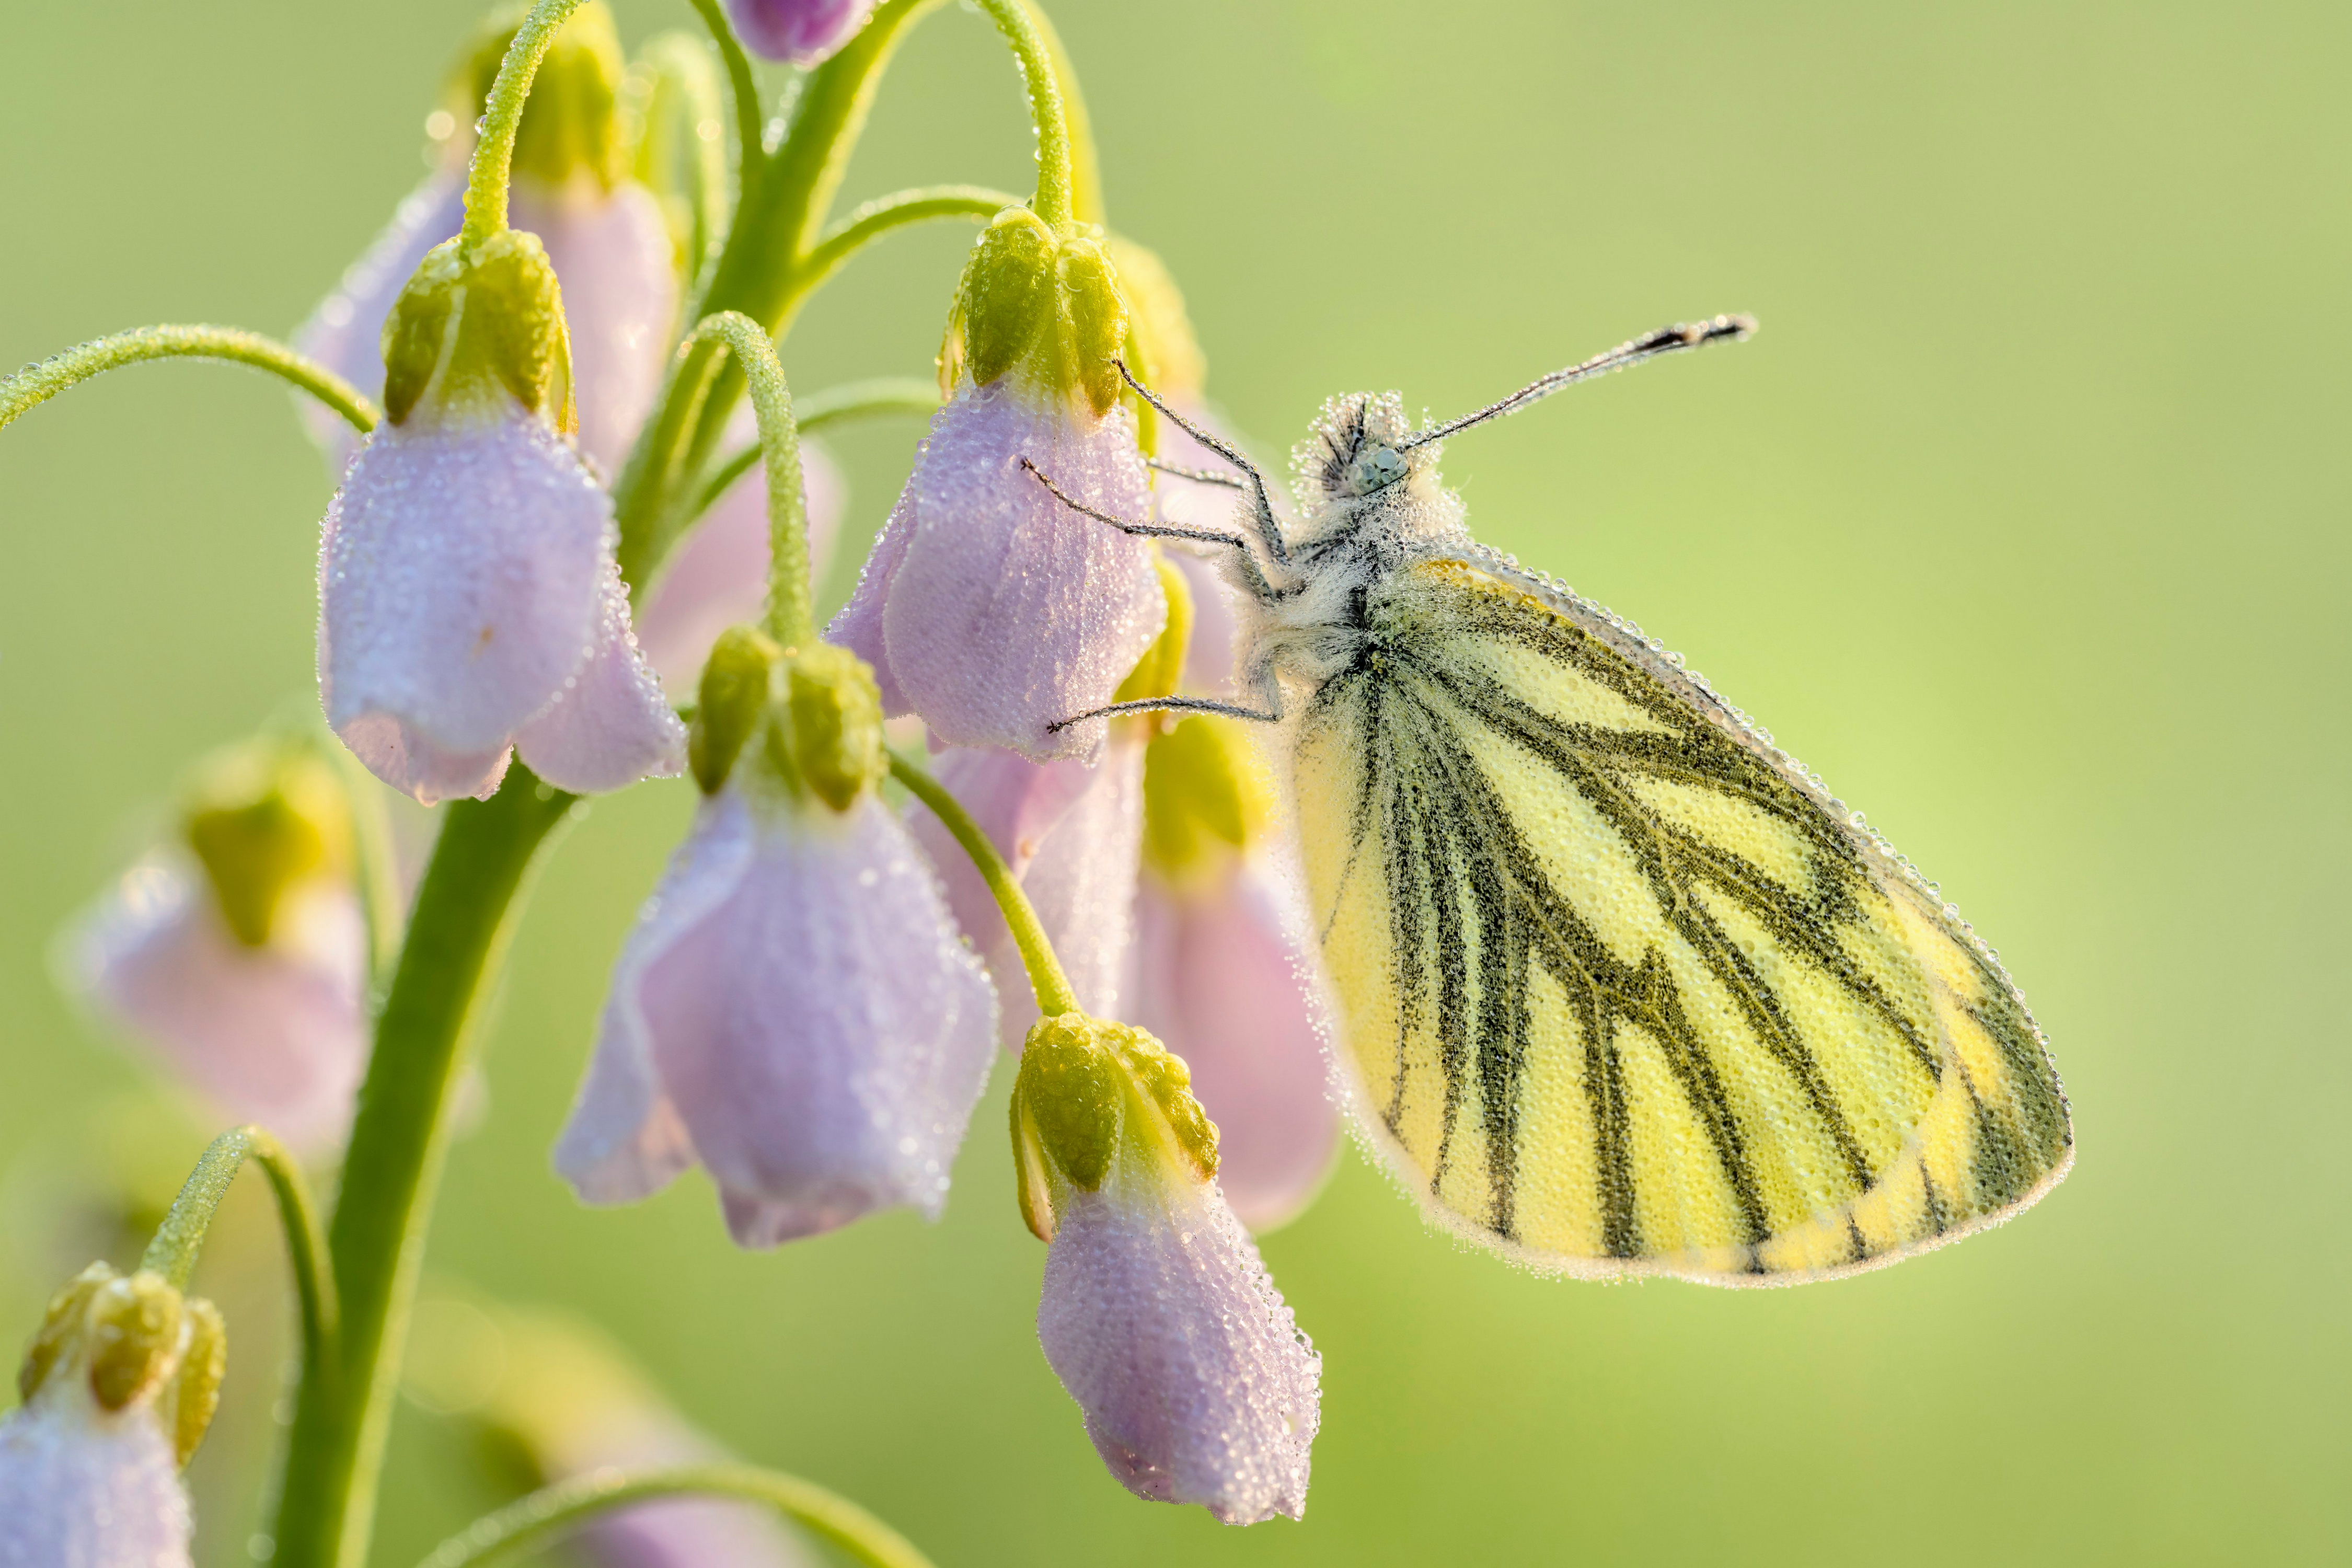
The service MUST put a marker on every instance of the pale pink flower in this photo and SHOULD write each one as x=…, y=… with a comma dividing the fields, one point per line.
x=675, y=1533
x=85, y=1486
x=1071, y=834
x=717, y=575
x=469, y=602
x=988, y=606
x=1221, y=975
x=275, y=1034
x=613, y=259
x=1160, y=1319
x=795, y=1011
x=801, y=31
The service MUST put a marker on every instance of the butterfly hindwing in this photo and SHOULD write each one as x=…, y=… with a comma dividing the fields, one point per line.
x=1625, y=992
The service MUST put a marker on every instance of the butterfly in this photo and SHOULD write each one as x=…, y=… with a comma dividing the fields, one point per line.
x=1622, y=988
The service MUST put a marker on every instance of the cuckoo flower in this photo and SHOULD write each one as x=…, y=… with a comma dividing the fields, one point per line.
x=1157, y=1312
x=794, y=1009
x=469, y=602
x=801, y=31
x=119, y=1386
x=989, y=605
x=604, y=232
x=239, y=955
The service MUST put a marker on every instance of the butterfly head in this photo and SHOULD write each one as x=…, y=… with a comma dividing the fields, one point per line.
x=1356, y=463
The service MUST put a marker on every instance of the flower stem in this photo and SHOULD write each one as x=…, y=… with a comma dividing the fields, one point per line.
x=545, y=1513
x=1053, y=201
x=877, y=217
x=37, y=384
x=399, y=1138
x=743, y=86
x=1046, y=980
x=834, y=406
x=1086, y=168
x=672, y=154
x=180, y=1239
x=792, y=613
x=486, y=182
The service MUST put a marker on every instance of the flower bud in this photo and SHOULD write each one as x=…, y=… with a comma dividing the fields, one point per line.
x=570, y=122
x=1172, y=364
x=801, y=31
x=136, y=1330
x=474, y=320
x=1207, y=799
x=1089, y=1090
x=837, y=723
x=198, y=1390
x=263, y=818
x=135, y=1341
x=1043, y=305
x=737, y=683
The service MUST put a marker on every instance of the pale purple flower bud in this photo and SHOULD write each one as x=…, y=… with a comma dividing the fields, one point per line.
x=469, y=601
x=717, y=575
x=85, y=1486
x=345, y=332
x=1160, y=1319
x=1071, y=835
x=988, y=606
x=801, y=31
x=795, y=1011
x=676, y=1532
x=1220, y=977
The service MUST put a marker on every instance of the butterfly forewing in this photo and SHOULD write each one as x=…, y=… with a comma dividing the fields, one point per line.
x=1624, y=991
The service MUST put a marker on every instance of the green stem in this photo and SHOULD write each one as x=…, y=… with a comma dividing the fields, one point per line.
x=399, y=1139
x=877, y=217
x=1086, y=168
x=180, y=1237
x=1013, y=18
x=744, y=88
x=791, y=611
x=37, y=384
x=486, y=182
x=545, y=1513
x=834, y=406
x=1046, y=980
x=672, y=154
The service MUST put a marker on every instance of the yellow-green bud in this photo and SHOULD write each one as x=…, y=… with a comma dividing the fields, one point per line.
x=262, y=817
x=737, y=683
x=837, y=723
x=197, y=1389
x=1042, y=305
x=1161, y=668
x=136, y=1339
x=1090, y=1092
x=571, y=121
x=136, y=1327
x=474, y=323
x=60, y=1330
x=1205, y=796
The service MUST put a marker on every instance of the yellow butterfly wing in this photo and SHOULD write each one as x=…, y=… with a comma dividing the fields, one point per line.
x=1626, y=991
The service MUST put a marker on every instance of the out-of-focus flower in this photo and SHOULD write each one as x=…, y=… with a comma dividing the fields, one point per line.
x=801, y=31
x=604, y=232
x=239, y=953
x=794, y=1009
x=119, y=1386
x=989, y=606
x=1157, y=1314
x=469, y=601
x=717, y=575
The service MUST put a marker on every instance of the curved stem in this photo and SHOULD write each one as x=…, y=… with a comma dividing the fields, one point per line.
x=180, y=1237
x=1046, y=980
x=552, y=1509
x=672, y=152
x=744, y=88
x=792, y=612
x=37, y=383
x=399, y=1140
x=1013, y=18
x=877, y=217
x=1086, y=168
x=834, y=406
x=486, y=182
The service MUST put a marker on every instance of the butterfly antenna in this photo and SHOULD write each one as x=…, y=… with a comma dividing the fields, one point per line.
x=1650, y=345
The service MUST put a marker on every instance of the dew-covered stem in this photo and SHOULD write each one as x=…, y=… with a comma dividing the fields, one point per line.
x=792, y=613
x=834, y=406
x=486, y=182
x=1053, y=201
x=1046, y=980
x=37, y=383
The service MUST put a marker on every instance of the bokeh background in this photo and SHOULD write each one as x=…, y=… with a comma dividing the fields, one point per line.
x=2022, y=521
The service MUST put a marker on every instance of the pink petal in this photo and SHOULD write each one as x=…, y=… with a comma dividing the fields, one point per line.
x=1184, y=503
x=614, y=259
x=1160, y=1318
x=1221, y=977
x=459, y=578
x=84, y=1488
x=275, y=1035
x=717, y=576
x=611, y=724
x=800, y=31
x=858, y=626
x=1009, y=611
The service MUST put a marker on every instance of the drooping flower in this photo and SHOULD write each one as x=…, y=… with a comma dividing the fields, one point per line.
x=1157, y=1312
x=469, y=601
x=717, y=575
x=801, y=31
x=794, y=1010
x=603, y=231
x=239, y=953
x=119, y=1386
x=989, y=605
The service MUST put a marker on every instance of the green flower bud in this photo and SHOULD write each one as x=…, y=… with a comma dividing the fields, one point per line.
x=837, y=723
x=197, y=1391
x=474, y=323
x=1206, y=797
x=139, y=1342
x=737, y=683
x=1042, y=305
x=60, y=1330
x=1092, y=1093
x=570, y=123
x=262, y=817
x=135, y=1328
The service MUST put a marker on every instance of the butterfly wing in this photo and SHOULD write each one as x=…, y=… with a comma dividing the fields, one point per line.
x=1626, y=991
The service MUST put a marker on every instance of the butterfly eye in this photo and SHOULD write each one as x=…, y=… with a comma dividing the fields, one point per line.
x=1379, y=468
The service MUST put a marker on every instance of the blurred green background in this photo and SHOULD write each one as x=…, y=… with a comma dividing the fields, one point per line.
x=2018, y=521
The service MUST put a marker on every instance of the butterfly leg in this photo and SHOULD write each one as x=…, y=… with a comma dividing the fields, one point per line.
x=1254, y=578
x=1269, y=692
x=1269, y=531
